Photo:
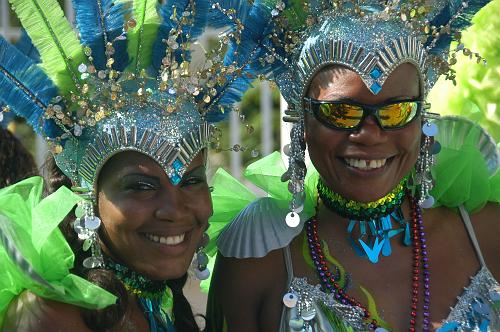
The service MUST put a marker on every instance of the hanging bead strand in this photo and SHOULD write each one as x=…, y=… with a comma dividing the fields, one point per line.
x=420, y=264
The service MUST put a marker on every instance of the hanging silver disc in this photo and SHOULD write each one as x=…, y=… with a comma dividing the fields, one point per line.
x=290, y=300
x=92, y=223
x=92, y=262
x=430, y=129
x=292, y=219
x=428, y=202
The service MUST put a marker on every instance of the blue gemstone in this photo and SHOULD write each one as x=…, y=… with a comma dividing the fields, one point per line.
x=177, y=164
x=175, y=179
x=375, y=73
x=375, y=87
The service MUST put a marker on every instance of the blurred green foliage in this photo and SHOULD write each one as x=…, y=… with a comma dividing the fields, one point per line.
x=250, y=129
x=477, y=94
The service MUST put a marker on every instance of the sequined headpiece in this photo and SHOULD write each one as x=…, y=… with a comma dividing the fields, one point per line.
x=126, y=83
x=370, y=37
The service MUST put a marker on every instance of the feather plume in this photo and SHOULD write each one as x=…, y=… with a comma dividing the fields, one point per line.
x=228, y=95
x=461, y=22
x=245, y=55
x=217, y=19
x=100, y=22
x=50, y=31
x=26, y=88
x=175, y=8
x=142, y=36
x=26, y=47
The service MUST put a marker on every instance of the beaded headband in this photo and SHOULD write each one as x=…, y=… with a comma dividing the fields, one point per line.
x=126, y=82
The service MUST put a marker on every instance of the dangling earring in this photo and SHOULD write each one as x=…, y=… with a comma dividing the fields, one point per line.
x=86, y=225
x=200, y=259
x=428, y=149
x=296, y=172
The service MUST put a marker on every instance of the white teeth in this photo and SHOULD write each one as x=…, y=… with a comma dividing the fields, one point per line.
x=365, y=164
x=168, y=240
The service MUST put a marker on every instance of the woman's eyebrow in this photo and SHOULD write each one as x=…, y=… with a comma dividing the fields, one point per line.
x=195, y=170
x=139, y=175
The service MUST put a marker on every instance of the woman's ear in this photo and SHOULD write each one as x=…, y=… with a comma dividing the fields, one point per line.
x=306, y=117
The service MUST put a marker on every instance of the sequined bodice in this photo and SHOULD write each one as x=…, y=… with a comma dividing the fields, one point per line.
x=477, y=309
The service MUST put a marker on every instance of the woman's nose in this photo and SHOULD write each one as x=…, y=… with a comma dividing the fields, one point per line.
x=369, y=133
x=171, y=206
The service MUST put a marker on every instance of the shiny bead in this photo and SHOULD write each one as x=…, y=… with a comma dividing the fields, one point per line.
x=290, y=300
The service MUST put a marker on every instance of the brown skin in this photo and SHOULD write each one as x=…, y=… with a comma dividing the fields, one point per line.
x=328, y=147
x=135, y=197
x=262, y=282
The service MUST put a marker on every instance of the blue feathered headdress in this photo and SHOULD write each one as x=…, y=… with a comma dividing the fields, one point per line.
x=295, y=39
x=124, y=81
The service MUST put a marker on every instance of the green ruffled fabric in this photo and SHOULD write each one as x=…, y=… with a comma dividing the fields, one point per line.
x=462, y=177
x=30, y=223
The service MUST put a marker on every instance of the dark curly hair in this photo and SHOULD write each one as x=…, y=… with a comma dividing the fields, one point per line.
x=16, y=163
x=104, y=319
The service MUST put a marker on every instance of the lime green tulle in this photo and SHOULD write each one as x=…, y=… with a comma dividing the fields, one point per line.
x=30, y=223
x=230, y=196
x=266, y=174
x=462, y=177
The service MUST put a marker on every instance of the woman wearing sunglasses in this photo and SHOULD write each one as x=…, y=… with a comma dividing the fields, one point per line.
x=129, y=127
x=374, y=237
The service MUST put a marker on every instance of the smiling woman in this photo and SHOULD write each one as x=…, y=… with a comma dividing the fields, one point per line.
x=128, y=119
x=374, y=235
x=349, y=160
x=150, y=224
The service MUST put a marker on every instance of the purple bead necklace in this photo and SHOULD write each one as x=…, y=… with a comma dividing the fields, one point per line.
x=329, y=281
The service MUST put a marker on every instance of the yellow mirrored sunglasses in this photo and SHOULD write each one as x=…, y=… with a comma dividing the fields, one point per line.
x=348, y=115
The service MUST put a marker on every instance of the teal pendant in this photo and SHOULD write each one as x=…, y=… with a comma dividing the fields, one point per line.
x=375, y=235
x=373, y=253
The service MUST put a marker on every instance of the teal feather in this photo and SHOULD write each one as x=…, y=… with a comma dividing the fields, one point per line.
x=100, y=22
x=27, y=89
x=166, y=11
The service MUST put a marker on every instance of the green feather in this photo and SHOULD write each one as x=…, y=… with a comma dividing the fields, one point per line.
x=142, y=36
x=295, y=14
x=53, y=36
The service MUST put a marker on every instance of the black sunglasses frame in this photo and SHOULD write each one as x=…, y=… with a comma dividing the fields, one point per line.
x=312, y=106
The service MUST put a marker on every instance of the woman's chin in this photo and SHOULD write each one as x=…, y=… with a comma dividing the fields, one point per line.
x=167, y=271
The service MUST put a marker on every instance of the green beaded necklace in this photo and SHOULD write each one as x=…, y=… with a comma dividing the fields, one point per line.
x=138, y=284
x=362, y=211
x=154, y=296
x=374, y=219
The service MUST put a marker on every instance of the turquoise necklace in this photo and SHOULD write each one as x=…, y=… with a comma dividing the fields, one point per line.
x=155, y=298
x=374, y=220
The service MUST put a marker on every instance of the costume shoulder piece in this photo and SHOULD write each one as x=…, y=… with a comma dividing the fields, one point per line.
x=263, y=220
x=260, y=222
x=30, y=243
x=466, y=171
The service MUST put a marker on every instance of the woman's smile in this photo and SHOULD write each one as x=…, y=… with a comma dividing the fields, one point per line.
x=168, y=245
